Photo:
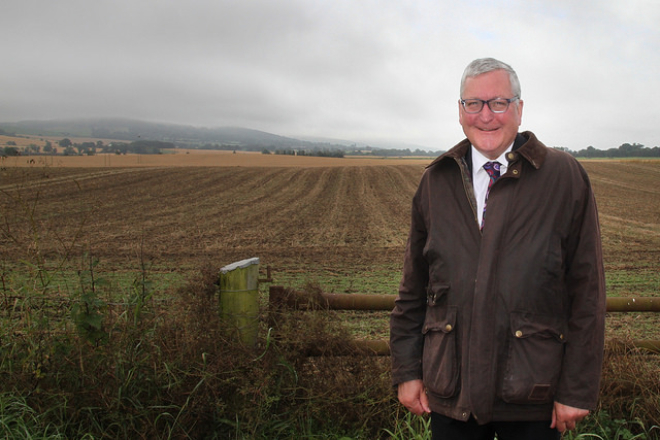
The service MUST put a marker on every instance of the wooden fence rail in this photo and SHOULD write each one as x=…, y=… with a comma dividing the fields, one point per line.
x=280, y=297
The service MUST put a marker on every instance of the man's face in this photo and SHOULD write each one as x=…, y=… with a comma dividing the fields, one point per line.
x=490, y=133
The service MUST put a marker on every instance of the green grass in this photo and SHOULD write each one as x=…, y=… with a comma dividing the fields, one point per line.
x=411, y=427
x=601, y=426
x=58, y=279
x=633, y=281
x=19, y=421
x=638, y=281
x=377, y=280
x=380, y=280
x=143, y=365
x=119, y=363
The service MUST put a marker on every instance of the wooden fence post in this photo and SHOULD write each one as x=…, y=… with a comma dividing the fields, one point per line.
x=239, y=298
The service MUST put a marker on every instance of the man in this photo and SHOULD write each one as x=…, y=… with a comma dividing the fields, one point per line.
x=498, y=327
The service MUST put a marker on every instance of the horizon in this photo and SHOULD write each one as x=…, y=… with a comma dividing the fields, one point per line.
x=334, y=142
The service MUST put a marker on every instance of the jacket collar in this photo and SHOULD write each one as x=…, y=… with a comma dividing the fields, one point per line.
x=526, y=146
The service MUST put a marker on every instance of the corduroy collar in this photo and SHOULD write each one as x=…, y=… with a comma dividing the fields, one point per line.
x=526, y=145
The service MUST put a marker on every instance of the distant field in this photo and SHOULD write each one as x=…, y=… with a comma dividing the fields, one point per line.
x=185, y=157
x=196, y=158
x=25, y=140
x=310, y=219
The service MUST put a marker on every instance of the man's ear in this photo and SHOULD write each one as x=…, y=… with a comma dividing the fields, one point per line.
x=520, y=110
x=460, y=112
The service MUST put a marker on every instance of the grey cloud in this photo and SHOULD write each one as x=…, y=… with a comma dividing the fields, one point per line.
x=367, y=70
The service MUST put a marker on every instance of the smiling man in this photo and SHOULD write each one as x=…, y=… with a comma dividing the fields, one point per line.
x=491, y=132
x=498, y=326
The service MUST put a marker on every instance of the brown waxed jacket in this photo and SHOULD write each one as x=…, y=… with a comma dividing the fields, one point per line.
x=501, y=323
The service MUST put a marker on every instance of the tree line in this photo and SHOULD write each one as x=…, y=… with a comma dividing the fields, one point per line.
x=624, y=150
x=66, y=147
x=302, y=152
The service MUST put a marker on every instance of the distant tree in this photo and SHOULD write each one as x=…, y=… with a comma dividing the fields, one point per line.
x=33, y=148
x=11, y=143
x=118, y=148
x=591, y=152
x=66, y=142
x=48, y=148
x=150, y=147
x=11, y=151
x=88, y=148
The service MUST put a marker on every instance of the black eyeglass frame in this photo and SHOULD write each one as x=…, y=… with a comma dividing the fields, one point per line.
x=483, y=102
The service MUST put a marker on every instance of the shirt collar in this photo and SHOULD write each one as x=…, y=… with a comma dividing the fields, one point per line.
x=478, y=159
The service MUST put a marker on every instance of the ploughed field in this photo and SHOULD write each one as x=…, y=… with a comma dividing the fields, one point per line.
x=341, y=225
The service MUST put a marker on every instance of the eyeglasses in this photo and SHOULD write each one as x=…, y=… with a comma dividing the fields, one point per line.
x=496, y=105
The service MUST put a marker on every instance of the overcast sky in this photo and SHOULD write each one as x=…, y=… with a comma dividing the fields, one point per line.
x=364, y=70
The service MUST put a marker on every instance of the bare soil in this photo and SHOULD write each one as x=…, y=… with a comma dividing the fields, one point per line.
x=300, y=219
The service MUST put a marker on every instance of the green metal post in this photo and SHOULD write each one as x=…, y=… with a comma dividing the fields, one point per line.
x=239, y=298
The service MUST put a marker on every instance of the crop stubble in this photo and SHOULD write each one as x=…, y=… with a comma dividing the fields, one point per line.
x=181, y=216
x=183, y=213
x=351, y=220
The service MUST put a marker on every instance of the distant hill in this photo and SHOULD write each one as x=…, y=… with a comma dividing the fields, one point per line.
x=133, y=130
x=187, y=136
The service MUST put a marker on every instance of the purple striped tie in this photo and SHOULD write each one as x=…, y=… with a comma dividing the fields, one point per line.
x=493, y=170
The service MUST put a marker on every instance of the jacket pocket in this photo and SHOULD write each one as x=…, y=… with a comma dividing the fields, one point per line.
x=536, y=349
x=440, y=358
x=435, y=293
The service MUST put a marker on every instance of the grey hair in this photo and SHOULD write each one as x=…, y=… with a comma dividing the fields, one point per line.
x=485, y=65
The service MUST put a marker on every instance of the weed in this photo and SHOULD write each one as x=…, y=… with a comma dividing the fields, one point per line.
x=411, y=427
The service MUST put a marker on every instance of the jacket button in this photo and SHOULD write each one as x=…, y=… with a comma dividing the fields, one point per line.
x=519, y=334
x=561, y=336
x=515, y=171
x=448, y=327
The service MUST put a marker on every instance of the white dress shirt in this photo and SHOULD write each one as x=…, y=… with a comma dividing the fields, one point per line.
x=480, y=177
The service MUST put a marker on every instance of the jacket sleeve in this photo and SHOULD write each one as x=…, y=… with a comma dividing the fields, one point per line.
x=407, y=318
x=585, y=284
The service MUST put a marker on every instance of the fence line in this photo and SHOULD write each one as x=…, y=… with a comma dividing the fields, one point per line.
x=282, y=298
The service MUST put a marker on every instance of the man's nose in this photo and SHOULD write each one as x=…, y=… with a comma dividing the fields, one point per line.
x=486, y=114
